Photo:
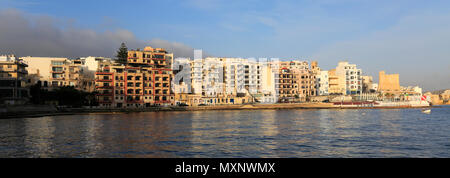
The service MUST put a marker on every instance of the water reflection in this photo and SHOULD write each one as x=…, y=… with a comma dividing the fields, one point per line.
x=247, y=133
x=39, y=136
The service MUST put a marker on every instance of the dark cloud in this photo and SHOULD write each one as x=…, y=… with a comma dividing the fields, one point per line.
x=27, y=35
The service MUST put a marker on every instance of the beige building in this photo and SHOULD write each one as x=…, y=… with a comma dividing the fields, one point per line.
x=388, y=83
x=58, y=72
x=42, y=67
x=336, y=83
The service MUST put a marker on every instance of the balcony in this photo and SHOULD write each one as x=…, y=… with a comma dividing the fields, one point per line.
x=105, y=94
x=103, y=80
x=162, y=102
x=104, y=87
x=103, y=73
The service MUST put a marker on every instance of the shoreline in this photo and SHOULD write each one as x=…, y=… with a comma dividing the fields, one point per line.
x=278, y=106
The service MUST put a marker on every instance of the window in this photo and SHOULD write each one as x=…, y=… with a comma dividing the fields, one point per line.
x=57, y=63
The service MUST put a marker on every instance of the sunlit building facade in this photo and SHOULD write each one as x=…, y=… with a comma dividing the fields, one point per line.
x=144, y=82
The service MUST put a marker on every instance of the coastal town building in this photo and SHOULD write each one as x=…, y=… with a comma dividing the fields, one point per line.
x=267, y=92
x=224, y=78
x=55, y=72
x=336, y=83
x=322, y=84
x=295, y=82
x=144, y=82
x=13, y=80
x=286, y=84
x=42, y=68
x=352, y=76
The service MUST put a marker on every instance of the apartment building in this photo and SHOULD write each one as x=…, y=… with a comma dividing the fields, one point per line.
x=144, y=82
x=352, y=76
x=59, y=72
x=221, y=78
x=41, y=67
x=267, y=91
x=336, y=83
x=13, y=80
x=296, y=81
x=286, y=83
x=322, y=84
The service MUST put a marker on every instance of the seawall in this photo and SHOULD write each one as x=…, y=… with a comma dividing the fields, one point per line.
x=41, y=111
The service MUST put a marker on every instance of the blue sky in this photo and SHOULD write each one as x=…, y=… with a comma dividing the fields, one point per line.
x=409, y=37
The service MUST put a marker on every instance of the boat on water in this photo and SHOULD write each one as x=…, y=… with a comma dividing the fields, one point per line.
x=427, y=111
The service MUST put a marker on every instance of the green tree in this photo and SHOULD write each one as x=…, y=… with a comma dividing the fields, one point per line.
x=122, y=54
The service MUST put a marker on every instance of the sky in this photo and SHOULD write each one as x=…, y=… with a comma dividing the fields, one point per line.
x=409, y=37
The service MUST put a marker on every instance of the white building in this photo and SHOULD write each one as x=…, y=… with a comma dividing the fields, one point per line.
x=415, y=89
x=352, y=75
x=322, y=83
x=93, y=64
x=214, y=76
